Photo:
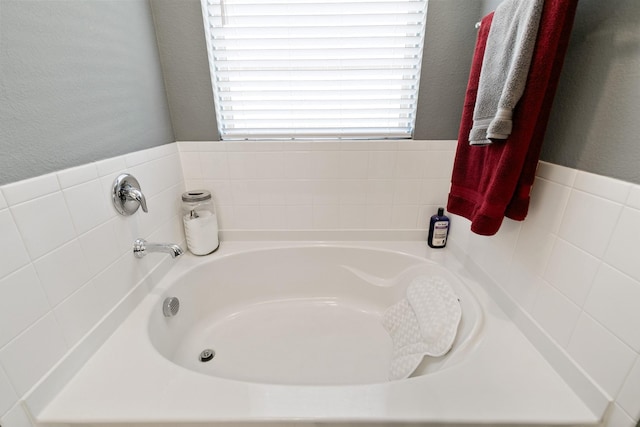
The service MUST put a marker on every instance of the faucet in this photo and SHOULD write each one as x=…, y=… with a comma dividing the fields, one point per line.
x=127, y=196
x=141, y=247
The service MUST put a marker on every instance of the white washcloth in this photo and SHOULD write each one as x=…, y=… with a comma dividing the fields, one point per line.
x=505, y=68
x=425, y=323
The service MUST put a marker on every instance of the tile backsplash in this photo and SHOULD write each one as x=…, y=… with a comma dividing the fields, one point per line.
x=67, y=261
x=573, y=268
x=374, y=185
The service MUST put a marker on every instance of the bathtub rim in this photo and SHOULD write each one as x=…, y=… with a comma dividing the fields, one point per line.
x=63, y=408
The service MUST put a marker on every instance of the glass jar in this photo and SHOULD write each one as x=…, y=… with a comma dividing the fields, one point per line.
x=200, y=222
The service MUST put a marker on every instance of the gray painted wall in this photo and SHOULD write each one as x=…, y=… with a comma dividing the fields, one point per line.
x=489, y=6
x=79, y=81
x=594, y=124
x=595, y=121
x=183, y=54
x=446, y=62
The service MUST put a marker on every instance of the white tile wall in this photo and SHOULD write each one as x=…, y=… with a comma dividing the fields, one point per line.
x=576, y=276
x=44, y=224
x=634, y=197
x=623, y=248
x=617, y=417
x=613, y=301
x=77, y=175
x=25, y=303
x=87, y=205
x=100, y=246
x=556, y=313
x=571, y=271
x=587, y=212
x=628, y=398
x=62, y=271
x=576, y=272
x=16, y=417
x=32, y=353
x=322, y=185
x=79, y=312
x=3, y=202
x=8, y=397
x=607, y=359
x=608, y=188
x=29, y=189
x=17, y=256
x=70, y=260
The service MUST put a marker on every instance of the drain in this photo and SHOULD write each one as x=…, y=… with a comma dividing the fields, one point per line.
x=206, y=355
x=170, y=306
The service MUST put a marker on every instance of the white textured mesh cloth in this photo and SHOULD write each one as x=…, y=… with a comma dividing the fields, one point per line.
x=424, y=323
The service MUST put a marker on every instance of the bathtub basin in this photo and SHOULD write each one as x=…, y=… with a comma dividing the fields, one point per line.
x=295, y=329
x=299, y=315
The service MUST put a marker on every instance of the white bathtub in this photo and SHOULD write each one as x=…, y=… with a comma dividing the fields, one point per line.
x=299, y=315
x=295, y=327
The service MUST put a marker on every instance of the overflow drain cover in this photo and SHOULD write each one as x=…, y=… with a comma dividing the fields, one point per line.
x=207, y=355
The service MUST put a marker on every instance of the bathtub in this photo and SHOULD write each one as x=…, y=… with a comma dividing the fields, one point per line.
x=295, y=328
x=299, y=315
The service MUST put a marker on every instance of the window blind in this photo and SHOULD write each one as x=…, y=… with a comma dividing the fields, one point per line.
x=315, y=69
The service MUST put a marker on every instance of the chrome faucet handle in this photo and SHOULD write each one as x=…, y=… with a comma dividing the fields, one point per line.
x=127, y=197
x=134, y=194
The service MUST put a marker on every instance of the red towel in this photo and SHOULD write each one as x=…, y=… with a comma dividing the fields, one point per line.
x=489, y=182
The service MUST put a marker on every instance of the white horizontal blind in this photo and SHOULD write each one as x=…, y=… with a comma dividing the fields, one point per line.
x=315, y=68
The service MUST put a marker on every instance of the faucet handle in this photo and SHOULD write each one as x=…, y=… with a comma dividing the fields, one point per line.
x=134, y=194
x=127, y=197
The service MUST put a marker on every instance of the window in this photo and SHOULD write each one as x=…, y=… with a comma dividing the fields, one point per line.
x=288, y=69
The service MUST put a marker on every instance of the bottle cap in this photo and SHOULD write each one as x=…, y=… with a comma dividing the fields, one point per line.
x=440, y=211
x=196, y=196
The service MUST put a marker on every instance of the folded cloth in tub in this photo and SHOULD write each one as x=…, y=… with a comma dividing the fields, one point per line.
x=424, y=323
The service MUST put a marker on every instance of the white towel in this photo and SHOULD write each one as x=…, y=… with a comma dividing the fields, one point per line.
x=425, y=323
x=505, y=68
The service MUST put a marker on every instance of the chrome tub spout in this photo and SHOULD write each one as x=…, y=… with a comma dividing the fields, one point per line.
x=141, y=247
